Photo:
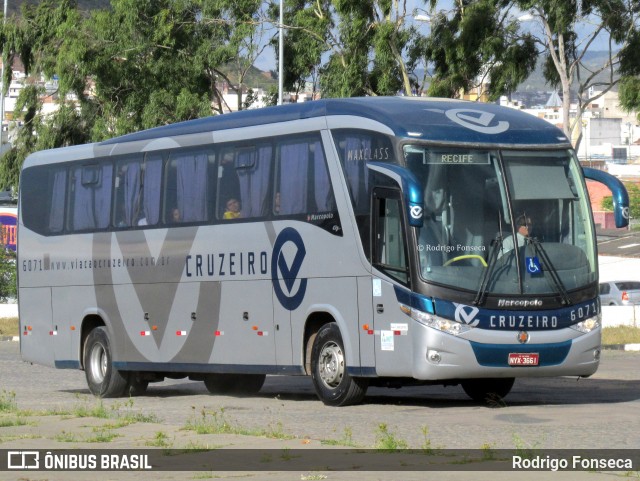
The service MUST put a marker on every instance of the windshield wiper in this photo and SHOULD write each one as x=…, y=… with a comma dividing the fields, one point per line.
x=496, y=246
x=564, y=295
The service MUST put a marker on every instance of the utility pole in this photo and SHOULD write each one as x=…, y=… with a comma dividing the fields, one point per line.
x=281, y=53
x=4, y=20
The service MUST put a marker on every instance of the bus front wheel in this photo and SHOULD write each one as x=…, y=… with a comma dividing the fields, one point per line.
x=103, y=380
x=488, y=391
x=333, y=384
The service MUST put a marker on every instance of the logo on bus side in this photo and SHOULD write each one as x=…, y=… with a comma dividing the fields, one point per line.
x=477, y=120
x=282, y=272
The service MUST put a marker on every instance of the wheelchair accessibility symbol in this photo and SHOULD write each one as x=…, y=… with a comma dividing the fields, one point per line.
x=533, y=265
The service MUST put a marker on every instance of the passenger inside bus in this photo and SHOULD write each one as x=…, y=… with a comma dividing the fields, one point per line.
x=233, y=209
x=175, y=215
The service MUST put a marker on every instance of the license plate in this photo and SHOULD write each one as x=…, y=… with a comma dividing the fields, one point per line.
x=523, y=359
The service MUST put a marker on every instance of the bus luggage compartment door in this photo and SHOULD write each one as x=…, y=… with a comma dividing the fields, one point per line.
x=36, y=327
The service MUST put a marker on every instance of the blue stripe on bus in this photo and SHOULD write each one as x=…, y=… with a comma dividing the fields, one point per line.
x=414, y=300
x=205, y=368
x=362, y=371
x=67, y=364
x=497, y=355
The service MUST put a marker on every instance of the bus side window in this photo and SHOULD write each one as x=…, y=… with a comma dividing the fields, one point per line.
x=228, y=184
x=292, y=185
x=302, y=180
x=254, y=181
x=389, y=253
x=245, y=179
x=91, y=196
x=187, y=186
x=43, y=210
x=128, y=192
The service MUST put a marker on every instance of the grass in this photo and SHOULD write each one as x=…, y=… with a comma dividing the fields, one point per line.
x=9, y=326
x=388, y=441
x=8, y=402
x=620, y=335
x=214, y=422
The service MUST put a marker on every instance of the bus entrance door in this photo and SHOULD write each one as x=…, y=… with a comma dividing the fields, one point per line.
x=393, y=348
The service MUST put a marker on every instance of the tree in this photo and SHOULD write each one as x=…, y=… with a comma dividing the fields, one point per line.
x=8, y=284
x=238, y=31
x=35, y=36
x=358, y=48
x=565, y=48
x=477, y=45
x=139, y=64
x=634, y=200
x=629, y=92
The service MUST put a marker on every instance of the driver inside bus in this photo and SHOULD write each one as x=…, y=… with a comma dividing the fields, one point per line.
x=523, y=232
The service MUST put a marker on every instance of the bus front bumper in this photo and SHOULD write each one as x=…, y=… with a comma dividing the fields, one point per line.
x=564, y=352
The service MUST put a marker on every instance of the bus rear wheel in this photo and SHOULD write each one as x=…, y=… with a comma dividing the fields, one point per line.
x=103, y=380
x=333, y=384
x=488, y=391
x=240, y=384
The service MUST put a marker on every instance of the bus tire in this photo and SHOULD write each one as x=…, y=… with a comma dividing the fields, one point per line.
x=488, y=391
x=333, y=384
x=103, y=380
x=137, y=386
x=239, y=384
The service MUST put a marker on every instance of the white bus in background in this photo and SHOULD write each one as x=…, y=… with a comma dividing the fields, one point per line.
x=365, y=241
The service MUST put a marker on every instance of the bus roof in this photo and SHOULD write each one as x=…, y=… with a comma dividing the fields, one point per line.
x=432, y=119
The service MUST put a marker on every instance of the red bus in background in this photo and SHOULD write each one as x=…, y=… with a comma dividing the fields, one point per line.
x=9, y=227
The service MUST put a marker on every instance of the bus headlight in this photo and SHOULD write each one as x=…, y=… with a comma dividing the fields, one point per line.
x=587, y=325
x=445, y=325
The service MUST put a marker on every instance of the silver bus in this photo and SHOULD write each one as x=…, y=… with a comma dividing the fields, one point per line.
x=364, y=241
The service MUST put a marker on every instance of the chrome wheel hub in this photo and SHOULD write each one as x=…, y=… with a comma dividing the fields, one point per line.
x=331, y=365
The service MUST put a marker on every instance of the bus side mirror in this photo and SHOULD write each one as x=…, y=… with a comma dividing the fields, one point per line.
x=617, y=188
x=411, y=189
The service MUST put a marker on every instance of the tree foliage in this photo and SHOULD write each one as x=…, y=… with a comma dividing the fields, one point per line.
x=477, y=46
x=143, y=63
x=634, y=200
x=8, y=284
x=564, y=47
x=136, y=65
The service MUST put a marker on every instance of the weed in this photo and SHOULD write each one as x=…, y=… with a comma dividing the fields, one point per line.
x=65, y=437
x=488, y=453
x=8, y=402
x=387, y=441
x=216, y=423
x=10, y=422
x=210, y=423
x=312, y=477
x=102, y=435
x=346, y=440
x=87, y=411
x=427, y=447
x=161, y=440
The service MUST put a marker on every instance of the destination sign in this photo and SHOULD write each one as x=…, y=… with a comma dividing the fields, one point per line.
x=468, y=157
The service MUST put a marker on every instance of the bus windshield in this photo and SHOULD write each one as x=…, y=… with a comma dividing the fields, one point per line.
x=503, y=222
